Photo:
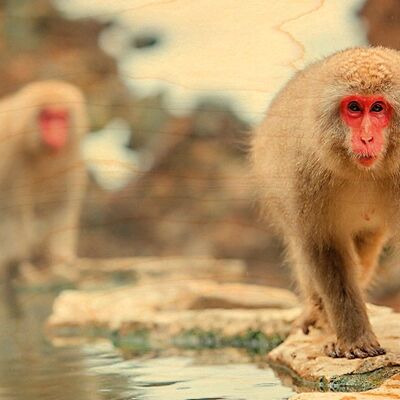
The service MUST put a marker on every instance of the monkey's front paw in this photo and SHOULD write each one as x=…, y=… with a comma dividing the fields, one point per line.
x=305, y=322
x=313, y=317
x=361, y=348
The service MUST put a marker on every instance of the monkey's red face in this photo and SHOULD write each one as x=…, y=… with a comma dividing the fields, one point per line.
x=367, y=117
x=54, y=126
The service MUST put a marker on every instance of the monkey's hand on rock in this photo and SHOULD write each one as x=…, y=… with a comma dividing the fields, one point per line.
x=365, y=346
x=312, y=317
x=306, y=321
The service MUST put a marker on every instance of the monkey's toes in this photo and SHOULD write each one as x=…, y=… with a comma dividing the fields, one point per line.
x=336, y=350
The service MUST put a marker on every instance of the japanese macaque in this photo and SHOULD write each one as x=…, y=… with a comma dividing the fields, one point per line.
x=42, y=177
x=327, y=164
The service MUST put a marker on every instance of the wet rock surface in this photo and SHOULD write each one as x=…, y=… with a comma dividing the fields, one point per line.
x=257, y=331
x=302, y=357
x=172, y=309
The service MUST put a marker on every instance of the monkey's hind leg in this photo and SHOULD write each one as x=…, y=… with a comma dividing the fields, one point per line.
x=368, y=246
x=11, y=271
x=313, y=314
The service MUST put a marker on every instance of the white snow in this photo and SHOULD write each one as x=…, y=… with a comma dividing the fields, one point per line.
x=240, y=50
x=107, y=156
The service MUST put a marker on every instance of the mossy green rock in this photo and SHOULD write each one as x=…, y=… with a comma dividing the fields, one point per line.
x=257, y=331
x=389, y=390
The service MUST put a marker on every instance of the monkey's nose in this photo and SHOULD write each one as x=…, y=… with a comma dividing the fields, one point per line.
x=367, y=140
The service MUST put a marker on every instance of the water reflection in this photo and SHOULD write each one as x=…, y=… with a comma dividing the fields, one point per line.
x=31, y=368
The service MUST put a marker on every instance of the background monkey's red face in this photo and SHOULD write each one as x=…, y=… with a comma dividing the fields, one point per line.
x=367, y=117
x=54, y=126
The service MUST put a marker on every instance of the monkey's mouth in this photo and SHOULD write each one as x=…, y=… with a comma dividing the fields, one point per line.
x=366, y=160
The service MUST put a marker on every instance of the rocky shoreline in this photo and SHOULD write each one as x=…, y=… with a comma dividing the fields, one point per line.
x=195, y=314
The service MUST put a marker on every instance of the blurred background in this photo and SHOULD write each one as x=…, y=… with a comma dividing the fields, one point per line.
x=172, y=97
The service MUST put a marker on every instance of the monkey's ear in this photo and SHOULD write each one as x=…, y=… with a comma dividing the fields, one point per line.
x=79, y=119
x=21, y=121
x=31, y=132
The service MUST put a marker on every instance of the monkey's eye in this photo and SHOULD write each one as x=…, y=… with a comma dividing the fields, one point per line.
x=377, y=107
x=354, y=106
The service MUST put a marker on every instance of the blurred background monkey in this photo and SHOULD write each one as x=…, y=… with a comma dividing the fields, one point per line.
x=42, y=177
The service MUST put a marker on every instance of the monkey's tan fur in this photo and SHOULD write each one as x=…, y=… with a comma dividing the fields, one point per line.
x=40, y=192
x=333, y=214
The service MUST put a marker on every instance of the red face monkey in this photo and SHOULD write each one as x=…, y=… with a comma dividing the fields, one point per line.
x=367, y=117
x=42, y=177
x=54, y=124
x=327, y=162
